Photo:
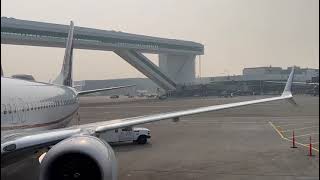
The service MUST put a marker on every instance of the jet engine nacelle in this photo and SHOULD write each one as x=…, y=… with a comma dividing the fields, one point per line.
x=79, y=157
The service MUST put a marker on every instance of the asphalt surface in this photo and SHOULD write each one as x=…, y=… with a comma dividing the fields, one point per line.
x=252, y=142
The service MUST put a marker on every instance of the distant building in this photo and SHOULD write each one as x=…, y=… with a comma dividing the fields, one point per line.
x=267, y=73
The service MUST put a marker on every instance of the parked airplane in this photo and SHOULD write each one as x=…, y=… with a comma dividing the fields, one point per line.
x=34, y=116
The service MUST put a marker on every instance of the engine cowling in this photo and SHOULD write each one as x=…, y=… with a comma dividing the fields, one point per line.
x=79, y=157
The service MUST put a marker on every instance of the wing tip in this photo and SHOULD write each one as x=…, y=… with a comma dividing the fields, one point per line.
x=287, y=89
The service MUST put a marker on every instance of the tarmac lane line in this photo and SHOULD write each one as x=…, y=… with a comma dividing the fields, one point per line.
x=281, y=135
x=305, y=135
x=297, y=129
x=296, y=124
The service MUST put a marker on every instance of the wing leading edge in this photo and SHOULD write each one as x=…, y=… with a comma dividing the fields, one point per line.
x=113, y=124
x=44, y=139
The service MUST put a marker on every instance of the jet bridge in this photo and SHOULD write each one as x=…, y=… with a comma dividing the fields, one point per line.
x=176, y=57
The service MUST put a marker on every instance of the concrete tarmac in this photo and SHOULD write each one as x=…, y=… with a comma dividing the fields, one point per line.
x=250, y=142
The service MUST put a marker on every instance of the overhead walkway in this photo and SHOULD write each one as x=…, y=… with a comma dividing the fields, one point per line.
x=128, y=46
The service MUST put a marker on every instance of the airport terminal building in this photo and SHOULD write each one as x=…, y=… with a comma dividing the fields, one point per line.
x=251, y=82
x=267, y=73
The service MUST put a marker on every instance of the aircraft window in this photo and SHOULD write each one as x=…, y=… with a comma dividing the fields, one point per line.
x=116, y=130
x=3, y=107
x=9, y=110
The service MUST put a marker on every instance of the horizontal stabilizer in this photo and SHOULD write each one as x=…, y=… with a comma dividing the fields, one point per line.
x=103, y=89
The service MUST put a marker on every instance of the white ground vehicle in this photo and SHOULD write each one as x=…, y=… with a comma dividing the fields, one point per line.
x=135, y=134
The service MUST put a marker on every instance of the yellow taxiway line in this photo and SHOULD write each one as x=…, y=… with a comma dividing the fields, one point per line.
x=281, y=135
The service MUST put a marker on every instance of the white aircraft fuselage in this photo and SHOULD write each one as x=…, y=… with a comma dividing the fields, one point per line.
x=28, y=105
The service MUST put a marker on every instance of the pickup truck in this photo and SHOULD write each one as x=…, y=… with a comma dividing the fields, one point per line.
x=134, y=134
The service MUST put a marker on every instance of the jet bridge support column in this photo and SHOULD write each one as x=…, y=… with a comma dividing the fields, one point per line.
x=179, y=67
x=145, y=66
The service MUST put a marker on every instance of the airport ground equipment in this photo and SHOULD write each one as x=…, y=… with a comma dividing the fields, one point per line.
x=133, y=134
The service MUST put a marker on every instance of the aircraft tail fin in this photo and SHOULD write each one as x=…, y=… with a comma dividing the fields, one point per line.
x=65, y=76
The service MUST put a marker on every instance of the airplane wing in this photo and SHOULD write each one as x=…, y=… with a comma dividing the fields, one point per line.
x=12, y=146
x=103, y=89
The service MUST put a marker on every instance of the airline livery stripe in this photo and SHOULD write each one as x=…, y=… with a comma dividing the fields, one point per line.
x=6, y=128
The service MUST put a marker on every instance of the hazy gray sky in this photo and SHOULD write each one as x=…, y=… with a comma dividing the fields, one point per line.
x=236, y=33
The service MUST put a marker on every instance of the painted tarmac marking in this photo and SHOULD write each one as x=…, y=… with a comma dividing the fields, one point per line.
x=281, y=135
x=296, y=124
x=306, y=134
x=297, y=129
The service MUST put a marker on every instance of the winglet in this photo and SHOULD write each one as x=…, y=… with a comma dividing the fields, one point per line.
x=287, y=90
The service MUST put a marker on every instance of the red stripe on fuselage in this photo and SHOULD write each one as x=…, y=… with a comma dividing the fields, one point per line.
x=30, y=126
